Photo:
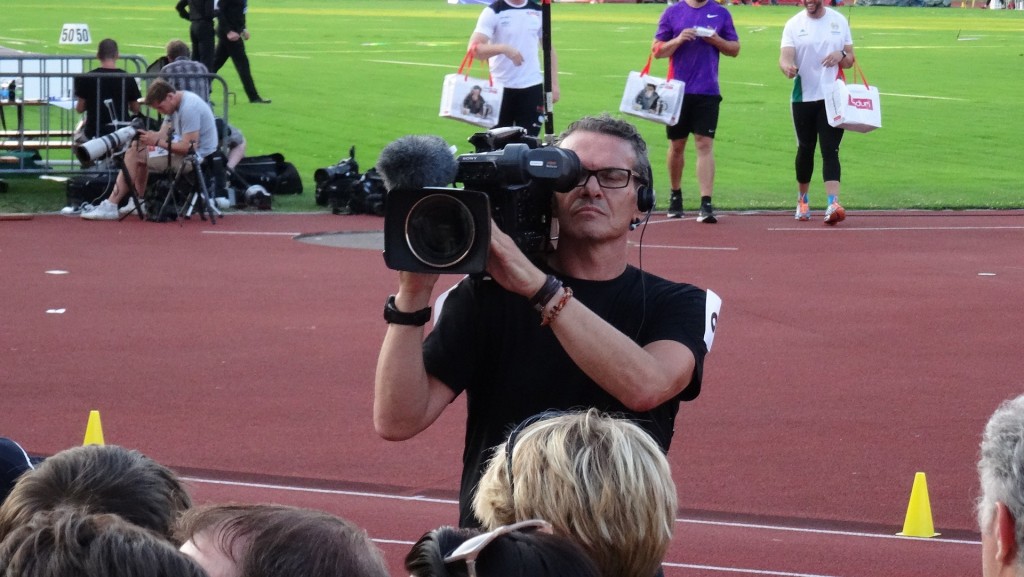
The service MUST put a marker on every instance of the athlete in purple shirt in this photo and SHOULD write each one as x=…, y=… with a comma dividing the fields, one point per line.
x=693, y=33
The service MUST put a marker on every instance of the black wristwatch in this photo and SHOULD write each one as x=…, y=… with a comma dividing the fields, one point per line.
x=396, y=317
x=843, y=52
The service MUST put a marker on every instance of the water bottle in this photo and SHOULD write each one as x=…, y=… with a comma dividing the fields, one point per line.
x=3, y=90
x=11, y=91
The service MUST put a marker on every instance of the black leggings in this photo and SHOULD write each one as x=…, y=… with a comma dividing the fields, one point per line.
x=811, y=125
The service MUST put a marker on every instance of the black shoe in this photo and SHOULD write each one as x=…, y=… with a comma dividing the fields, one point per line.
x=675, y=206
x=260, y=101
x=707, y=214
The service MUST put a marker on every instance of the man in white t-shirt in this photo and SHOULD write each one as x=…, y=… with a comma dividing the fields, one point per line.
x=815, y=43
x=508, y=34
x=188, y=127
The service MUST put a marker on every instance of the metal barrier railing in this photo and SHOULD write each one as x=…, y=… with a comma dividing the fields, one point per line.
x=40, y=137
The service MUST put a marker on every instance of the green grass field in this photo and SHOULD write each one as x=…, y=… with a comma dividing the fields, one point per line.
x=364, y=72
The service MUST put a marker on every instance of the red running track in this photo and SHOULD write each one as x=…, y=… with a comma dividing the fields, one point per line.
x=847, y=360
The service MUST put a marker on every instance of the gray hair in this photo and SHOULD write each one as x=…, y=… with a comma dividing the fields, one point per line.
x=1001, y=467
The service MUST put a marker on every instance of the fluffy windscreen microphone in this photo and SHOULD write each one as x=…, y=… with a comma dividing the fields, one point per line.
x=416, y=161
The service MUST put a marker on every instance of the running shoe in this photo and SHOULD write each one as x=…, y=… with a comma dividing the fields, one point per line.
x=803, y=212
x=675, y=206
x=707, y=214
x=835, y=214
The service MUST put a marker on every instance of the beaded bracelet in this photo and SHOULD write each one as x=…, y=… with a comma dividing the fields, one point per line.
x=555, y=310
x=548, y=291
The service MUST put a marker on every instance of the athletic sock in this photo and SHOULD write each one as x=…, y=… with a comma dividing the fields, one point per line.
x=832, y=199
x=677, y=192
x=802, y=197
x=705, y=200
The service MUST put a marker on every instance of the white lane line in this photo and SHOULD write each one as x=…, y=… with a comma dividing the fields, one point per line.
x=824, y=531
x=251, y=233
x=893, y=228
x=740, y=570
x=411, y=63
x=420, y=498
x=646, y=245
x=320, y=491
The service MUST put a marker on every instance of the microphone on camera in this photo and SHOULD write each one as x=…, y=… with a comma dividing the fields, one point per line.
x=417, y=161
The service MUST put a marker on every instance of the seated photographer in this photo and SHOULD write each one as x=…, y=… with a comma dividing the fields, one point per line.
x=580, y=327
x=189, y=126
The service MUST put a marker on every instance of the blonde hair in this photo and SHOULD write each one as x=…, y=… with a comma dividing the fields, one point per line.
x=599, y=480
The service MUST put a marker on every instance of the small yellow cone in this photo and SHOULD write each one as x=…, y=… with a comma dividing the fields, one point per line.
x=918, y=522
x=94, y=430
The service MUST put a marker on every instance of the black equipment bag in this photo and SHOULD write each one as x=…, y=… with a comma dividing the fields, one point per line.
x=272, y=172
x=90, y=187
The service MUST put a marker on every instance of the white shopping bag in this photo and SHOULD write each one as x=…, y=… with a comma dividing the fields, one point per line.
x=652, y=98
x=473, y=100
x=855, y=106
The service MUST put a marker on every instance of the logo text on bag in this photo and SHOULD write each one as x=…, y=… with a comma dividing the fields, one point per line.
x=861, y=103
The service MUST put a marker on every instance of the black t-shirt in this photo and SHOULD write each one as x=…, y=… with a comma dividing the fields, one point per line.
x=121, y=91
x=489, y=343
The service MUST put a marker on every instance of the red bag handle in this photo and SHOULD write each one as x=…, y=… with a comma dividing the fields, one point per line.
x=650, y=58
x=467, y=64
x=840, y=75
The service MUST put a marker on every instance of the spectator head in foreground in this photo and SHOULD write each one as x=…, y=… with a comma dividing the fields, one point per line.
x=526, y=549
x=99, y=479
x=1001, y=505
x=258, y=540
x=68, y=542
x=599, y=480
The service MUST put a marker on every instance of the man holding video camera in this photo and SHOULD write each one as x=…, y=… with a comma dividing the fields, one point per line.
x=580, y=327
x=188, y=127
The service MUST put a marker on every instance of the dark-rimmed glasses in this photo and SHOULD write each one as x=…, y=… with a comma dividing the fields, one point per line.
x=607, y=177
x=471, y=548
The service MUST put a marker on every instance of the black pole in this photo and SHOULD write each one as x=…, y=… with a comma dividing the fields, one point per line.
x=549, y=116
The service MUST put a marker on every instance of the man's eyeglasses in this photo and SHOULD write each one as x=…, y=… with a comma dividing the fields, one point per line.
x=608, y=177
x=471, y=548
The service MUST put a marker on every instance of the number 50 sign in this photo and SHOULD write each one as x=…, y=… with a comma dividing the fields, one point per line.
x=75, y=34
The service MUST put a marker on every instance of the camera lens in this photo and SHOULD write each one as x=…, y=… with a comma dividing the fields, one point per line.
x=439, y=230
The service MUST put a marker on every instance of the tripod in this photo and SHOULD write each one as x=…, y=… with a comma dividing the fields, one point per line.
x=199, y=193
x=118, y=159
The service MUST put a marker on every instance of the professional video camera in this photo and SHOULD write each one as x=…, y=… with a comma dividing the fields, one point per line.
x=103, y=146
x=334, y=183
x=510, y=178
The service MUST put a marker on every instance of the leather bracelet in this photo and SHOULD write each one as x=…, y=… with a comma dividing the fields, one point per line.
x=555, y=310
x=546, y=292
x=394, y=316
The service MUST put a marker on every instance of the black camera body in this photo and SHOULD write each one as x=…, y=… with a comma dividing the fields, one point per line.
x=334, y=183
x=447, y=230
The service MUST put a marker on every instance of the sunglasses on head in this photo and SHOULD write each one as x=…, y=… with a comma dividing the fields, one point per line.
x=471, y=548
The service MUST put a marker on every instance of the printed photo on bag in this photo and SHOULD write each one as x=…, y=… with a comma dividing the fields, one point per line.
x=647, y=100
x=652, y=98
x=471, y=100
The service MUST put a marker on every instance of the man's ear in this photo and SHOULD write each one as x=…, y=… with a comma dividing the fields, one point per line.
x=1005, y=535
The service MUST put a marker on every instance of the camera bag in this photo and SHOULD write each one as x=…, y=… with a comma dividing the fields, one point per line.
x=272, y=172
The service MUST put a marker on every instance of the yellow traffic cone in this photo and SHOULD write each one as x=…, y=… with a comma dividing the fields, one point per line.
x=94, y=430
x=918, y=522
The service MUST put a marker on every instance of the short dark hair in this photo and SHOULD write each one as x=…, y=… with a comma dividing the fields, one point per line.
x=606, y=124
x=280, y=541
x=176, y=49
x=158, y=90
x=99, y=479
x=72, y=543
x=515, y=554
x=107, y=49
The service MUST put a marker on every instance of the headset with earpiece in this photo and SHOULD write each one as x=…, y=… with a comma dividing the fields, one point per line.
x=644, y=197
